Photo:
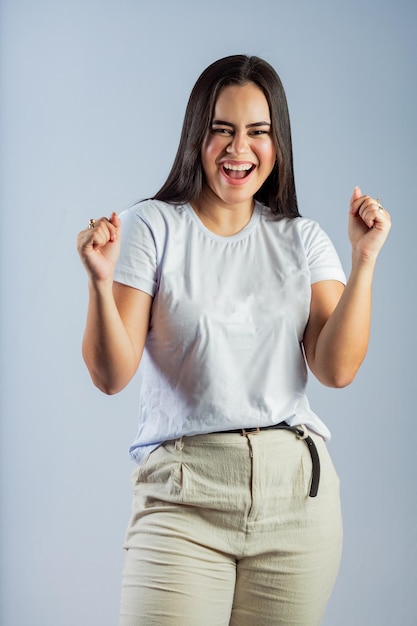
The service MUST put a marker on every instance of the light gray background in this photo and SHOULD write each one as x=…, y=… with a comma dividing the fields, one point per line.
x=93, y=94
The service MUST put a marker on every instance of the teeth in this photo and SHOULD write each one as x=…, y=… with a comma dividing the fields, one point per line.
x=237, y=168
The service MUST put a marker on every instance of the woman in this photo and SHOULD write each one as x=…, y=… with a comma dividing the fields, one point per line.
x=222, y=293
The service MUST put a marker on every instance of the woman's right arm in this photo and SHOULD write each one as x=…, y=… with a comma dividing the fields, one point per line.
x=118, y=315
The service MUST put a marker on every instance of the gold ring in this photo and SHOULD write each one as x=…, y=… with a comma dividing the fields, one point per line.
x=91, y=223
x=379, y=205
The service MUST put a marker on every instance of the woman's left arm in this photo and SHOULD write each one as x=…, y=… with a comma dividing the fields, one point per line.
x=337, y=334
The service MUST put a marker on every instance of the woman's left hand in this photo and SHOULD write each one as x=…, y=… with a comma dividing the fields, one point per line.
x=369, y=225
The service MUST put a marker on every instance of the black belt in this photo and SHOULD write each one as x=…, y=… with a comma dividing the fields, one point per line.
x=315, y=460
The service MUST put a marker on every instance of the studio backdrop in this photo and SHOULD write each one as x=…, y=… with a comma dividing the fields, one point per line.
x=93, y=94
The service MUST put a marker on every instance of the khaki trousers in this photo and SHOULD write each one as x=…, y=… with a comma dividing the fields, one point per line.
x=223, y=532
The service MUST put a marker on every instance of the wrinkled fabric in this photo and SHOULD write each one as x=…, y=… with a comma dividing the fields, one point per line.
x=223, y=532
x=224, y=348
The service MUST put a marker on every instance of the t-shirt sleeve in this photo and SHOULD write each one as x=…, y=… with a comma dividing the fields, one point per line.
x=323, y=260
x=137, y=264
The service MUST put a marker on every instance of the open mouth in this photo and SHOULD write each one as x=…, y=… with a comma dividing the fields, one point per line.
x=237, y=171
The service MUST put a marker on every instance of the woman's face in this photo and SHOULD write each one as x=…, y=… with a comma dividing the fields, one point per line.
x=238, y=153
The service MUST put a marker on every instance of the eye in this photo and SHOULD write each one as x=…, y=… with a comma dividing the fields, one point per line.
x=258, y=132
x=221, y=131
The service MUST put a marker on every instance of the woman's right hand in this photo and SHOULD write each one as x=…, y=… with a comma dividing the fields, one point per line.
x=99, y=248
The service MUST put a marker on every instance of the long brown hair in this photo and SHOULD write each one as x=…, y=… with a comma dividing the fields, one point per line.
x=185, y=181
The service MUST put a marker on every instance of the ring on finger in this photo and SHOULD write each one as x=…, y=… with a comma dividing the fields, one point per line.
x=379, y=205
x=91, y=223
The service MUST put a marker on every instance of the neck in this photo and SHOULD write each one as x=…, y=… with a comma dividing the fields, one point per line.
x=223, y=219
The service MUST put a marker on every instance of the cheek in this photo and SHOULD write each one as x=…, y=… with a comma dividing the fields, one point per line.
x=209, y=154
x=210, y=150
x=268, y=155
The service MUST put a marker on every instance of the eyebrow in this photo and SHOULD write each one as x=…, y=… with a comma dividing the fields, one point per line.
x=223, y=123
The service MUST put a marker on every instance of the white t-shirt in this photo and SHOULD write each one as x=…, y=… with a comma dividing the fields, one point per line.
x=224, y=347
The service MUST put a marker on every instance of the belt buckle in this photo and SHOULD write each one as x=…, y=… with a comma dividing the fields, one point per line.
x=250, y=431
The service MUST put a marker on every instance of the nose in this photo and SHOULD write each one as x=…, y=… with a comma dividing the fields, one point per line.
x=238, y=143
